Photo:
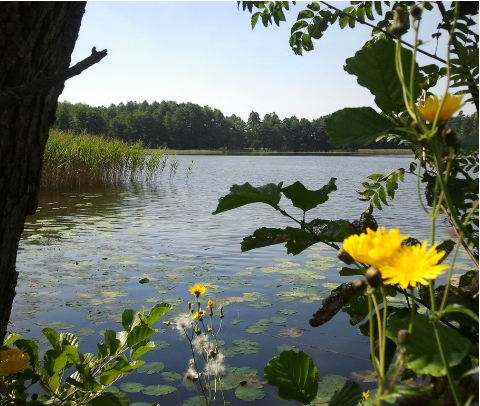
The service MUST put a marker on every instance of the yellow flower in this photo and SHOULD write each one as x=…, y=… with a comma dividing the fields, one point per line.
x=365, y=395
x=197, y=290
x=412, y=265
x=375, y=247
x=210, y=304
x=428, y=108
x=13, y=361
x=198, y=314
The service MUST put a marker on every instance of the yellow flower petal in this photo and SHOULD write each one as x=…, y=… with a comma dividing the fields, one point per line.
x=197, y=290
x=199, y=314
x=412, y=265
x=428, y=109
x=375, y=247
x=13, y=361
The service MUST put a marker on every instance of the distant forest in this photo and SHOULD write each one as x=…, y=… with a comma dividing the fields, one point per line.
x=190, y=126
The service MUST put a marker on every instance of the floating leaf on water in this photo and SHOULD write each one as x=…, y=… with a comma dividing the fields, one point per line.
x=260, y=305
x=255, y=329
x=160, y=345
x=243, y=273
x=285, y=299
x=328, y=386
x=151, y=367
x=144, y=280
x=252, y=296
x=364, y=376
x=56, y=325
x=249, y=392
x=84, y=332
x=290, y=332
x=286, y=311
x=170, y=376
x=154, y=300
x=132, y=387
x=278, y=319
x=158, y=390
x=235, y=321
x=195, y=401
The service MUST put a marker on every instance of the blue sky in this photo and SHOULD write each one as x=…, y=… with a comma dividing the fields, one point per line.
x=206, y=52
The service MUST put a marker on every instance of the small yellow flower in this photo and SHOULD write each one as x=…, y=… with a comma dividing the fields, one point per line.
x=197, y=290
x=210, y=304
x=428, y=108
x=13, y=361
x=365, y=395
x=375, y=247
x=412, y=265
x=198, y=314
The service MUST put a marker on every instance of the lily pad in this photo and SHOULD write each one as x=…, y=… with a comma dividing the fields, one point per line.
x=158, y=390
x=151, y=367
x=170, y=376
x=286, y=311
x=132, y=387
x=249, y=392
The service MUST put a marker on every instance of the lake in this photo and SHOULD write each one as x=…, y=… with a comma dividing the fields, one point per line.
x=84, y=253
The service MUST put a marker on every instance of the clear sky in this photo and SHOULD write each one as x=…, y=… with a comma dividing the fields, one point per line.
x=206, y=52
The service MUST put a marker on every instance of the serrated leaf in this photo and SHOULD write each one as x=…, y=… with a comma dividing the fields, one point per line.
x=382, y=195
x=138, y=334
x=157, y=311
x=375, y=69
x=376, y=201
x=360, y=125
x=241, y=195
x=295, y=376
x=53, y=337
x=130, y=319
x=306, y=199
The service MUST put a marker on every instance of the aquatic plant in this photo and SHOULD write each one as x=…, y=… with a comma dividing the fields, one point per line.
x=69, y=377
x=76, y=160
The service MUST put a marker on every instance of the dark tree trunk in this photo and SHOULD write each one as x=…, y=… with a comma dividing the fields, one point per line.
x=36, y=40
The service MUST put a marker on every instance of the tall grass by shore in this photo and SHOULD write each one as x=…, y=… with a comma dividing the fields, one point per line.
x=73, y=160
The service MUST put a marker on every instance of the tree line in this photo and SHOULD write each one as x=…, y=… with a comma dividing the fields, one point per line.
x=189, y=126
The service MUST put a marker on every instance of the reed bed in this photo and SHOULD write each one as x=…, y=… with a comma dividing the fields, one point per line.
x=73, y=160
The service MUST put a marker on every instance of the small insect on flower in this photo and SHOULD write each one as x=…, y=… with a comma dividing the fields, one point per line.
x=197, y=290
x=13, y=361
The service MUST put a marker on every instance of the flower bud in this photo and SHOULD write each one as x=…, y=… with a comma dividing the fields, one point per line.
x=209, y=329
x=221, y=312
x=403, y=337
x=360, y=285
x=190, y=305
x=344, y=256
x=197, y=331
x=416, y=12
x=400, y=23
x=374, y=277
x=449, y=137
x=167, y=323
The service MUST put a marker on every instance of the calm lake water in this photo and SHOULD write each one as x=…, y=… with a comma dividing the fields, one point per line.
x=83, y=254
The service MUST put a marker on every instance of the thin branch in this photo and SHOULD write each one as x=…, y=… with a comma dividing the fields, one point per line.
x=385, y=32
x=16, y=94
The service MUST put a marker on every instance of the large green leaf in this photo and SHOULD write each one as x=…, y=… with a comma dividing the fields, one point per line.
x=297, y=240
x=129, y=319
x=375, y=69
x=360, y=125
x=423, y=355
x=331, y=230
x=241, y=195
x=306, y=199
x=295, y=376
x=157, y=311
x=138, y=334
x=349, y=395
x=52, y=337
x=110, y=399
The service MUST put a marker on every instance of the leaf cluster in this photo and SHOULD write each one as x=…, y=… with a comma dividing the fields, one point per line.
x=72, y=378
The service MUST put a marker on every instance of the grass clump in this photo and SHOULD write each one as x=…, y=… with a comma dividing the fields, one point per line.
x=75, y=160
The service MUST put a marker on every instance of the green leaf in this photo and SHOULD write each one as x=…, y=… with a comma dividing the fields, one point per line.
x=130, y=319
x=305, y=14
x=382, y=195
x=307, y=42
x=157, y=311
x=299, y=25
x=349, y=395
x=375, y=69
x=137, y=353
x=306, y=199
x=241, y=195
x=138, y=334
x=331, y=230
x=359, y=125
x=295, y=376
x=423, y=355
x=249, y=392
x=158, y=390
x=458, y=308
x=255, y=19
x=11, y=339
x=55, y=360
x=52, y=337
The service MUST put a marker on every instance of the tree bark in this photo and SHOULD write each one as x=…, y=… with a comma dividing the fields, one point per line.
x=37, y=40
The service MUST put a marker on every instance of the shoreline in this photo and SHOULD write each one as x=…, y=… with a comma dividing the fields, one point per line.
x=286, y=153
